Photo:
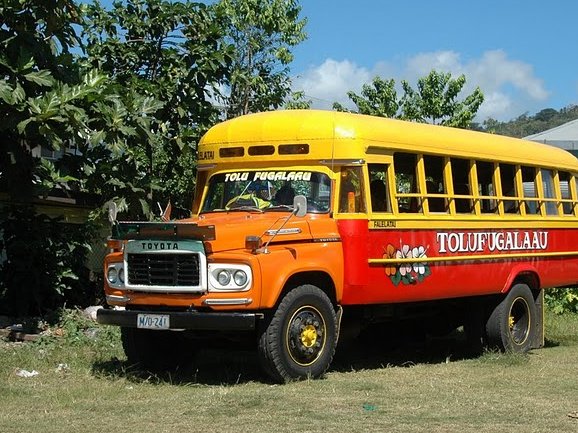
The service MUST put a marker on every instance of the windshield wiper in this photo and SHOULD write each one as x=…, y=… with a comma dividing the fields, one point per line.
x=245, y=208
x=280, y=207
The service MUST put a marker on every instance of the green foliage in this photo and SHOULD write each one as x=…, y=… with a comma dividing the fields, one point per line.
x=48, y=99
x=297, y=101
x=73, y=329
x=378, y=99
x=262, y=34
x=561, y=300
x=435, y=101
x=45, y=266
x=167, y=57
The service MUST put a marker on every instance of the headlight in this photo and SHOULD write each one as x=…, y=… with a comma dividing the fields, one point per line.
x=112, y=275
x=240, y=278
x=229, y=277
x=224, y=277
x=115, y=275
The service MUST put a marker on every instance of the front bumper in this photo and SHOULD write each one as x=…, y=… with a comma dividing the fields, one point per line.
x=183, y=319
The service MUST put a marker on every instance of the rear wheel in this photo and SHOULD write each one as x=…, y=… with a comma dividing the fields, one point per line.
x=512, y=324
x=299, y=339
x=156, y=350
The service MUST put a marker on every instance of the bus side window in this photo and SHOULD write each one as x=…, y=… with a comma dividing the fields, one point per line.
x=548, y=190
x=508, y=183
x=351, y=193
x=530, y=192
x=461, y=182
x=405, y=165
x=565, y=192
x=434, y=180
x=378, y=188
x=486, y=187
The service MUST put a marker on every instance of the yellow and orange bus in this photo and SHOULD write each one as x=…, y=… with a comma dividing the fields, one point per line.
x=304, y=221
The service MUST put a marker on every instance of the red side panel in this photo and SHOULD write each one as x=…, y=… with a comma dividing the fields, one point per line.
x=430, y=280
x=354, y=238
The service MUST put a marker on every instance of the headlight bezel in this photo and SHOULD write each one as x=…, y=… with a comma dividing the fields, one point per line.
x=215, y=270
x=117, y=270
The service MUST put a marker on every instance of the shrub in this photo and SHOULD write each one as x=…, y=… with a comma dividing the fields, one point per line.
x=562, y=300
x=44, y=266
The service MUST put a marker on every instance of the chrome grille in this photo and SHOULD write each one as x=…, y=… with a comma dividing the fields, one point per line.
x=168, y=270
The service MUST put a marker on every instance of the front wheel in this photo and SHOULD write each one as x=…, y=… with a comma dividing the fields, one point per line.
x=512, y=324
x=299, y=339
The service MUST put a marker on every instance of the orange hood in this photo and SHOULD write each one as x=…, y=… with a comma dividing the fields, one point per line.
x=232, y=228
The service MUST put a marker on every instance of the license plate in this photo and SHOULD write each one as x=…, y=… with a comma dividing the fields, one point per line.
x=153, y=321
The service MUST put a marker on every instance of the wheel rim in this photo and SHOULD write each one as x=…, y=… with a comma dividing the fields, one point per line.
x=306, y=333
x=519, y=321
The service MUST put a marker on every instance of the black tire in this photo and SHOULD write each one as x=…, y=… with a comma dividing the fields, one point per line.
x=511, y=326
x=156, y=350
x=299, y=339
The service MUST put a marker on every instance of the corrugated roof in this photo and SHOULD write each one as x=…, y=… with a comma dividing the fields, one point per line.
x=564, y=136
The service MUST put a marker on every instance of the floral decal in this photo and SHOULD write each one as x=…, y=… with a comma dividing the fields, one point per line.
x=406, y=273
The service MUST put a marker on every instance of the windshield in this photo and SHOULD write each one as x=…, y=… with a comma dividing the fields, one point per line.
x=267, y=191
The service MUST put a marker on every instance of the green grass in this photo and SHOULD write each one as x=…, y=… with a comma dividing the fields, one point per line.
x=426, y=387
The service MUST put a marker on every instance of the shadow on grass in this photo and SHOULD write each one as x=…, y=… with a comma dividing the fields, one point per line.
x=225, y=366
x=551, y=343
x=374, y=349
x=211, y=367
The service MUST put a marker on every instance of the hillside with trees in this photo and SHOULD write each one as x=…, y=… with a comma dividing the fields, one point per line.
x=525, y=124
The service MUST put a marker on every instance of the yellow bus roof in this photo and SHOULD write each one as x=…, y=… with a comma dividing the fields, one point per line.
x=352, y=134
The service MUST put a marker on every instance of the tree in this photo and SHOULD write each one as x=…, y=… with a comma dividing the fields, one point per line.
x=172, y=53
x=262, y=33
x=378, y=99
x=435, y=100
x=47, y=98
x=298, y=102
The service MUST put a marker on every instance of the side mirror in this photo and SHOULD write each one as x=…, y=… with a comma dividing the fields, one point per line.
x=112, y=212
x=300, y=205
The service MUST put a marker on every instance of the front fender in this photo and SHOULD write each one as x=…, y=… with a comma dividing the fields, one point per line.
x=283, y=261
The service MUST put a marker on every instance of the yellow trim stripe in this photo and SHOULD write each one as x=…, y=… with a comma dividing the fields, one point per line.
x=473, y=257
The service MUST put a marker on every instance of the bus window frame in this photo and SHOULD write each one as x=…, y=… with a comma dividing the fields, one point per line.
x=464, y=199
x=386, y=181
x=571, y=198
x=549, y=201
x=429, y=197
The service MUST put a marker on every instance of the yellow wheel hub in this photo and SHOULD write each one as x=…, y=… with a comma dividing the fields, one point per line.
x=511, y=322
x=309, y=336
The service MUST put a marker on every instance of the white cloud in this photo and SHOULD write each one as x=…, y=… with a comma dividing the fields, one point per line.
x=510, y=86
x=330, y=82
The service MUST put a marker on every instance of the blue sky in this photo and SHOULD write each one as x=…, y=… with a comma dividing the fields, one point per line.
x=521, y=53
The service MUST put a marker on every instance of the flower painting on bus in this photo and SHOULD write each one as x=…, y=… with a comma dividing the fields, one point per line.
x=405, y=272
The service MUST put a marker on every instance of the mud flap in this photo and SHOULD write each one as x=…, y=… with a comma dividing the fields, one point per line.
x=539, y=324
x=339, y=314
